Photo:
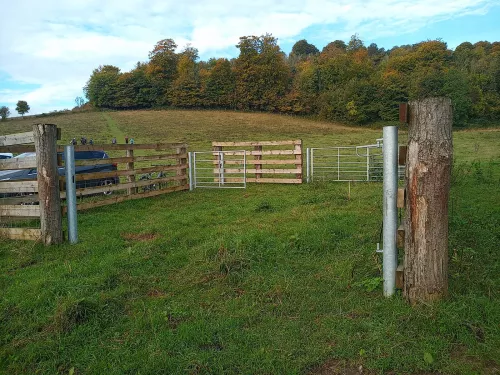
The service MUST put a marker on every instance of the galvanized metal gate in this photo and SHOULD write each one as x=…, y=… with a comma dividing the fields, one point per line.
x=218, y=169
x=345, y=163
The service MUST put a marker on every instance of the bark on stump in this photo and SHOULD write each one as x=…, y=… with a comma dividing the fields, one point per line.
x=48, y=183
x=428, y=172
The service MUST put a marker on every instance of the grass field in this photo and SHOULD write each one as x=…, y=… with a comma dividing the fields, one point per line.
x=273, y=279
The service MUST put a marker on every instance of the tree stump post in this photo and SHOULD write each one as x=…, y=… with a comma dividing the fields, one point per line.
x=428, y=173
x=45, y=136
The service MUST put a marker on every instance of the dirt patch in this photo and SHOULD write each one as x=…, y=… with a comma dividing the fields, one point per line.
x=338, y=367
x=155, y=293
x=140, y=236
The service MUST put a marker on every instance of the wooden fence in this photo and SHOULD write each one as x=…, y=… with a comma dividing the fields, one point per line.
x=280, y=161
x=132, y=171
x=19, y=217
x=139, y=170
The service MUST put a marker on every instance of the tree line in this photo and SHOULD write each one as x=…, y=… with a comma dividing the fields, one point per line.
x=347, y=82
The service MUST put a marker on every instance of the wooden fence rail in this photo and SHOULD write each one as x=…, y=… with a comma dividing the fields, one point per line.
x=284, y=157
x=161, y=169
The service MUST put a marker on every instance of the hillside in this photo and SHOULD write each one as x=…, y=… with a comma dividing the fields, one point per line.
x=272, y=279
x=199, y=128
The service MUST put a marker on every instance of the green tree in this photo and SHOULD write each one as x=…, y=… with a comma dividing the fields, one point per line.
x=4, y=112
x=102, y=87
x=220, y=85
x=303, y=48
x=22, y=107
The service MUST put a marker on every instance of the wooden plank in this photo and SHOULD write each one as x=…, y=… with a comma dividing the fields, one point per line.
x=260, y=171
x=129, y=159
x=19, y=199
x=121, y=147
x=18, y=148
x=400, y=238
x=268, y=152
x=21, y=186
x=18, y=163
x=400, y=277
x=21, y=233
x=123, y=198
x=258, y=143
x=261, y=162
x=264, y=180
x=18, y=210
x=16, y=139
x=256, y=158
x=181, y=162
x=403, y=150
x=401, y=198
x=130, y=167
x=298, y=159
x=128, y=185
x=111, y=174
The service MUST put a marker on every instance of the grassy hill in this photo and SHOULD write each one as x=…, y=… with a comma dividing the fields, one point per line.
x=272, y=279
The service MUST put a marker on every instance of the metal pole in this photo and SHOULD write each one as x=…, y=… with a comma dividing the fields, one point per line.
x=245, y=169
x=338, y=164
x=190, y=168
x=69, y=163
x=368, y=164
x=222, y=168
x=390, y=213
x=308, y=163
x=312, y=164
x=194, y=170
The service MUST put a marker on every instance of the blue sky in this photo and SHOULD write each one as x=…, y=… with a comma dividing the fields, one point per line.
x=49, y=48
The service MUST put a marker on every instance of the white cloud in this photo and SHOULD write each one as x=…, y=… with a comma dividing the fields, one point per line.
x=57, y=44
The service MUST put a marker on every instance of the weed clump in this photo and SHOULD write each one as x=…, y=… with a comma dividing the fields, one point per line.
x=72, y=314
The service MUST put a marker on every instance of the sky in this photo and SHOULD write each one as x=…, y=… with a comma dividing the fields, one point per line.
x=49, y=48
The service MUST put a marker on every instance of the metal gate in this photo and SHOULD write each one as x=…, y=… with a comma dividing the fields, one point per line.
x=345, y=163
x=219, y=169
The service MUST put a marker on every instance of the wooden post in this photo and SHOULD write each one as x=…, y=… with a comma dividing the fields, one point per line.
x=130, y=167
x=182, y=161
x=48, y=183
x=218, y=160
x=298, y=159
x=428, y=170
x=258, y=166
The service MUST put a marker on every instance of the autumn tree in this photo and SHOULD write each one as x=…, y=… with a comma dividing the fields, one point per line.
x=162, y=70
x=262, y=75
x=220, y=84
x=22, y=107
x=186, y=86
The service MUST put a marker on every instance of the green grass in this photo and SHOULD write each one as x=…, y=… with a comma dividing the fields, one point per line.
x=273, y=279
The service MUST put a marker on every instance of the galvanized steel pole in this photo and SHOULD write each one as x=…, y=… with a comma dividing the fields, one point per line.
x=308, y=163
x=190, y=167
x=390, y=212
x=69, y=162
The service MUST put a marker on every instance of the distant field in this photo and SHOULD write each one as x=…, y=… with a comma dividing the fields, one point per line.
x=200, y=128
x=273, y=279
